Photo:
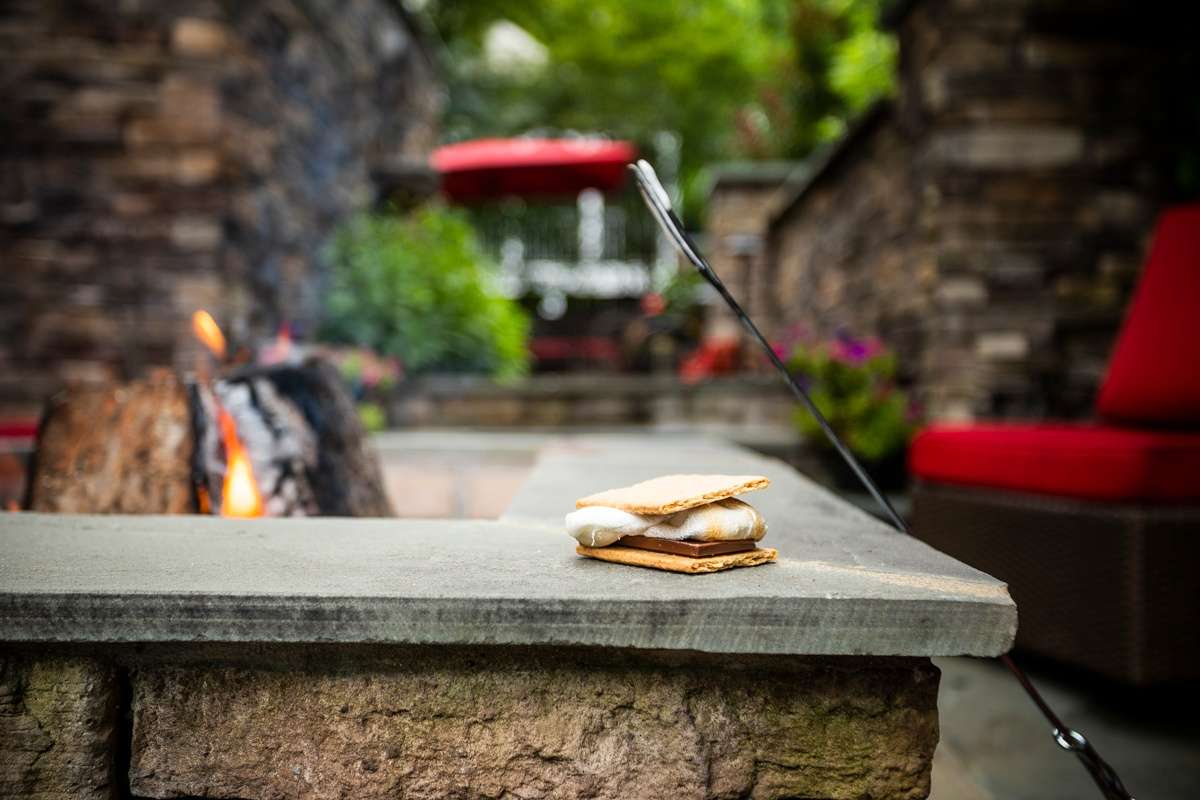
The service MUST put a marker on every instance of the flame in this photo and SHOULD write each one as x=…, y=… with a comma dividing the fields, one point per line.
x=239, y=494
x=208, y=332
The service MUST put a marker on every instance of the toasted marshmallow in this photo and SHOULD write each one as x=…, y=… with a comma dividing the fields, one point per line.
x=724, y=520
x=600, y=526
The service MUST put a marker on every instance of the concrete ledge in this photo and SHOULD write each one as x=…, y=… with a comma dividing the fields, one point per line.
x=845, y=585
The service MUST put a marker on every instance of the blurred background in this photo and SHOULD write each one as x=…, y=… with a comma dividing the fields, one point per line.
x=937, y=210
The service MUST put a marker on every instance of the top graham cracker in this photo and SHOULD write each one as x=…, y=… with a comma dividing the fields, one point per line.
x=667, y=494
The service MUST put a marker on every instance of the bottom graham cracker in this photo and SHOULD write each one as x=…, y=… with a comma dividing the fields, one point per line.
x=673, y=563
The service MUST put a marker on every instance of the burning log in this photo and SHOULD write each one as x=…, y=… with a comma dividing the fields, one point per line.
x=306, y=445
x=281, y=440
x=347, y=480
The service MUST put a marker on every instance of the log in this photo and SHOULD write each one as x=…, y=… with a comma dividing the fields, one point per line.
x=143, y=447
x=122, y=449
x=346, y=481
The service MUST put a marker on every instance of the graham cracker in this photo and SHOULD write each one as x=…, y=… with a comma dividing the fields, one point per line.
x=673, y=563
x=670, y=493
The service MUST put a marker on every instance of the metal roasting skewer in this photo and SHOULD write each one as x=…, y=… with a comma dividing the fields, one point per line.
x=659, y=203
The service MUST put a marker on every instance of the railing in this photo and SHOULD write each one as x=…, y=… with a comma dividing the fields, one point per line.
x=594, y=247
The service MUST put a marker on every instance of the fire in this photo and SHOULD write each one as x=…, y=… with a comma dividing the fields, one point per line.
x=240, y=496
x=239, y=493
x=208, y=332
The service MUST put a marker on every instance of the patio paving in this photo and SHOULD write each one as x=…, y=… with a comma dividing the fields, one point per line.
x=447, y=474
x=996, y=746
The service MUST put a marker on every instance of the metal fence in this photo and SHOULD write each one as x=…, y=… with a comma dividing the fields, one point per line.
x=596, y=246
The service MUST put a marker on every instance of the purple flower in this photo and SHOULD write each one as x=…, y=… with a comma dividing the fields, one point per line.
x=848, y=350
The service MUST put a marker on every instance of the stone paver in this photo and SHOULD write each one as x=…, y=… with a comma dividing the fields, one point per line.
x=996, y=746
x=421, y=490
x=488, y=490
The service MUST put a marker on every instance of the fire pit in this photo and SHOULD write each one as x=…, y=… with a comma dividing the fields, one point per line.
x=195, y=656
x=238, y=440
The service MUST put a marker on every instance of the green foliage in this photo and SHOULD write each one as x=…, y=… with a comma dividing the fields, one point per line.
x=853, y=384
x=681, y=291
x=373, y=417
x=731, y=78
x=418, y=288
x=841, y=63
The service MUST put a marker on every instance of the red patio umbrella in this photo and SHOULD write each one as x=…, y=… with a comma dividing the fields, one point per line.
x=484, y=169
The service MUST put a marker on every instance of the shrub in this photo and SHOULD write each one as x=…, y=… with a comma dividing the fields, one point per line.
x=419, y=288
x=853, y=383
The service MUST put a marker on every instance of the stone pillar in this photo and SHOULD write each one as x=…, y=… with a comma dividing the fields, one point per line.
x=743, y=198
x=990, y=221
x=158, y=158
x=1038, y=179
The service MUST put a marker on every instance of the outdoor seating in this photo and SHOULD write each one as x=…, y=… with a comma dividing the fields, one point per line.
x=1094, y=525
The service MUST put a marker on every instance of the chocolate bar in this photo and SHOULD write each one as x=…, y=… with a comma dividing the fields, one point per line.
x=686, y=548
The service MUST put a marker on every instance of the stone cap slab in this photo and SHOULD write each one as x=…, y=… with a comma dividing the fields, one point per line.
x=844, y=584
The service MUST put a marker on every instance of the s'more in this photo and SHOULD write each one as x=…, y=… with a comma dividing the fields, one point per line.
x=678, y=523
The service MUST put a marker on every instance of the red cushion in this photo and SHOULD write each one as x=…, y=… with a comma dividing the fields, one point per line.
x=1088, y=461
x=1154, y=374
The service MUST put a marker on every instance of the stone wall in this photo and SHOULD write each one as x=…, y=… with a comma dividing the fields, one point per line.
x=743, y=199
x=160, y=157
x=845, y=253
x=229, y=721
x=989, y=223
x=583, y=400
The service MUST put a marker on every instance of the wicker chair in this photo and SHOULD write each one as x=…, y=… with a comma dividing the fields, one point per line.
x=1095, y=526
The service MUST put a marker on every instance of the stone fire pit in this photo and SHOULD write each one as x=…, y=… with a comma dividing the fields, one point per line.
x=199, y=657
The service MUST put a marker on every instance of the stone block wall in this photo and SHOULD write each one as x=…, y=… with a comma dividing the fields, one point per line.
x=990, y=222
x=743, y=199
x=159, y=157
x=843, y=252
x=258, y=721
x=583, y=401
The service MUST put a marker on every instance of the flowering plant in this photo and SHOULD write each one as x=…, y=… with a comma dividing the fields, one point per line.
x=368, y=376
x=713, y=357
x=365, y=371
x=852, y=381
